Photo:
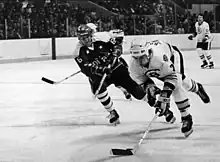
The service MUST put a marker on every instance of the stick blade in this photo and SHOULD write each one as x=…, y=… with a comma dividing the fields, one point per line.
x=122, y=152
x=47, y=80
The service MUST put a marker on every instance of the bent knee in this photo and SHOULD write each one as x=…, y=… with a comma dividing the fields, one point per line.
x=138, y=93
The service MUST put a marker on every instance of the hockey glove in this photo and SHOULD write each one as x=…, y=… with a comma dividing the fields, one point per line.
x=152, y=90
x=205, y=39
x=98, y=69
x=163, y=102
x=117, y=51
x=190, y=37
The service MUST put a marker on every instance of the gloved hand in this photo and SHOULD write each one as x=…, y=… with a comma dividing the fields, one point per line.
x=163, y=102
x=98, y=69
x=205, y=39
x=190, y=37
x=117, y=51
x=152, y=90
x=105, y=69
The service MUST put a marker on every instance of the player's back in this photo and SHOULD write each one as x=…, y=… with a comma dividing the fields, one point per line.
x=160, y=51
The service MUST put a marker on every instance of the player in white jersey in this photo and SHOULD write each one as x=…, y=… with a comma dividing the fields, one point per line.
x=165, y=62
x=204, y=38
x=115, y=35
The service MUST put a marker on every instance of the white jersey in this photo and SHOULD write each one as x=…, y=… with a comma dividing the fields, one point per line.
x=100, y=36
x=160, y=64
x=164, y=64
x=202, y=30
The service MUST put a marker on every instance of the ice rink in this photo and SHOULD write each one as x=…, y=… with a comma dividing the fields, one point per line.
x=40, y=122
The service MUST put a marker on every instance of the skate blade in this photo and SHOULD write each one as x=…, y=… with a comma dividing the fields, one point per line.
x=115, y=123
x=186, y=134
x=172, y=120
x=122, y=152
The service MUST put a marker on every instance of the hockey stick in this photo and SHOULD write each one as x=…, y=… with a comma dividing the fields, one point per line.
x=57, y=82
x=100, y=84
x=132, y=151
x=104, y=77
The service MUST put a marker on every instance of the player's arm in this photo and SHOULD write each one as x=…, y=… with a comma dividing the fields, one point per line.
x=207, y=32
x=82, y=61
x=170, y=83
x=90, y=68
x=168, y=73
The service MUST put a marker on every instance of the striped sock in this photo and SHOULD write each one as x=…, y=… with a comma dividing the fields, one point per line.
x=105, y=100
x=183, y=107
x=194, y=86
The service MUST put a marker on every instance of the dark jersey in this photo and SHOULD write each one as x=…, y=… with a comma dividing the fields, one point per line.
x=100, y=55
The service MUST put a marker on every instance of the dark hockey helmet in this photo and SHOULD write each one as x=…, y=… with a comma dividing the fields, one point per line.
x=117, y=35
x=84, y=34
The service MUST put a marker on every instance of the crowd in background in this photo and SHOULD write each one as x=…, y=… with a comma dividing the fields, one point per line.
x=23, y=20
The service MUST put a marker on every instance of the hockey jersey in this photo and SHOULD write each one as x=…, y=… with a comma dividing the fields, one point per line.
x=160, y=64
x=202, y=30
x=100, y=54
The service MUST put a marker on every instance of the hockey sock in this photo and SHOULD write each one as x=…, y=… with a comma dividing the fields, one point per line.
x=190, y=85
x=208, y=55
x=183, y=107
x=105, y=100
x=201, y=54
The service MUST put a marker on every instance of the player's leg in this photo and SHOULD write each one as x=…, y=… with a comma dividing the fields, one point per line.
x=199, y=49
x=207, y=54
x=125, y=92
x=188, y=83
x=182, y=102
x=193, y=86
x=105, y=100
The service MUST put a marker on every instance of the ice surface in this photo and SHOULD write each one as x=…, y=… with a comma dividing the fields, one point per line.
x=40, y=122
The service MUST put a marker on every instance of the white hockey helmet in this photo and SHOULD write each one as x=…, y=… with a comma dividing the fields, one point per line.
x=138, y=47
x=93, y=27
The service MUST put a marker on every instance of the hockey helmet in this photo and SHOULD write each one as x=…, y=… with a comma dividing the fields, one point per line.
x=84, y=34
x=93, y=27
x=139, y=51
x=138, y=47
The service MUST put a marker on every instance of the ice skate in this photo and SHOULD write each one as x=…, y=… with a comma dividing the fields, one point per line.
x=113, y=118
x=204, y=65
x=187, y=125
x=211, y=65
x=127, y=95
x=202, y=93
x=170, y=118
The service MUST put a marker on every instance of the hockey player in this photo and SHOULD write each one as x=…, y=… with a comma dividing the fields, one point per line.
x=116, y=36
x=165, y=62
x=98, y=58
x=204, y=38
